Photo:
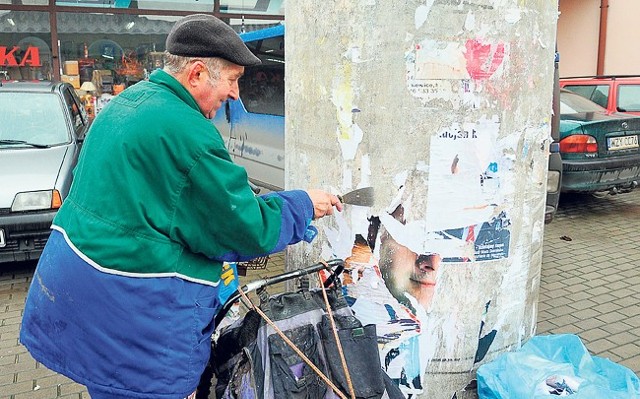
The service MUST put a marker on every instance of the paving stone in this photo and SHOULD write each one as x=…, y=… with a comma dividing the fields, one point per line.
x=38, y=374
x=70, y=388
x=6, y=379
x=561, y=310
x=39, y=393
x=634, y=321
x=625, y=350
x=601, y=345
x=632, y=363
x=16, y=388
x=611, y=317
x=592, y=335
x=606, y=307
x=585, y=304
x=615, y=328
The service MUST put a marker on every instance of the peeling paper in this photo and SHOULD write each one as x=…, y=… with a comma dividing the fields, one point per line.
x=470, y=21
x=416, y=236
x=422, y=12
x=365, y=170
x=349, y=144
x=422, y=166
x=513, y=15
x=439, y=60
x=438, y=70
x=460, y=155
x=406, y=343
x=451, y=333
x=340, y=238
x=354, y=54
x=347, y=179
x=349, y=133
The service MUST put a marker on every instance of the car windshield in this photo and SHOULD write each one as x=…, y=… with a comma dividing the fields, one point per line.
x=571, y=103
x=28, y=118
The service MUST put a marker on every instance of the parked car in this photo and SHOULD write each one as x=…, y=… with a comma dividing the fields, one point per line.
x=253, y=126
x=615, y=93
x=600, y=151
x=42, y=125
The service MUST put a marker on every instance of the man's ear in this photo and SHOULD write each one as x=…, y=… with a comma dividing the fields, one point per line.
x=195, y=75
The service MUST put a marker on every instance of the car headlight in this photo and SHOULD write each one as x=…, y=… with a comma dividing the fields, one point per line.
x=36, y=200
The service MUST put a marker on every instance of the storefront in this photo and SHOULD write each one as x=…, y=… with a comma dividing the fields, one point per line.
x=111, y=44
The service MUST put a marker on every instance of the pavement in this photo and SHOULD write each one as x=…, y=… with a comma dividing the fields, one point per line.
x=590, y=286
x=590, y=283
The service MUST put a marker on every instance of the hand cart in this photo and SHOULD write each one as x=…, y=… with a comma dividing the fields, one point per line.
x=333, y=267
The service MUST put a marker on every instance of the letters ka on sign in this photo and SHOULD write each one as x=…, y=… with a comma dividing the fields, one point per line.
x=31, y=57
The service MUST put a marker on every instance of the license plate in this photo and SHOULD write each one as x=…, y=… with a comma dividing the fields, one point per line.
x=3, y=242
x=622, y=142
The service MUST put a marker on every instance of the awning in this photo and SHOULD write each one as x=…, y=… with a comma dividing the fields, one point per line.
x=110, y=24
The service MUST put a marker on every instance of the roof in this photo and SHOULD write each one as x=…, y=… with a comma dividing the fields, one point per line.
x=35, y=86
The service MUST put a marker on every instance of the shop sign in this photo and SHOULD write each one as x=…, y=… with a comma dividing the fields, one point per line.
x=31, y=56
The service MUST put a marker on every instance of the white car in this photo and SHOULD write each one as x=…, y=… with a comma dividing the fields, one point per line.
x=42, y=126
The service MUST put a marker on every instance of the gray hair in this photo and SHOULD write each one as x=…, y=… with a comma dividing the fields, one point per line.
x=174, y=64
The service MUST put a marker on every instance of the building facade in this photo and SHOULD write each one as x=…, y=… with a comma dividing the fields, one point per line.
x=596, y=37
x=109, y=43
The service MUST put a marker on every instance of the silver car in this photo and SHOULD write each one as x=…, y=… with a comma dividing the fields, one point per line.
x=42, y=126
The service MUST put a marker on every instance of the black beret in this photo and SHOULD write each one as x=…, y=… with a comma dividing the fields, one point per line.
x=201, y=35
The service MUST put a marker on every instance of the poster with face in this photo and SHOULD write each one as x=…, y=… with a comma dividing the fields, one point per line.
x=394, y=258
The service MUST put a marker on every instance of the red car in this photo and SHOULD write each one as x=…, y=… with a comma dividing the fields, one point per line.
x=614, y=93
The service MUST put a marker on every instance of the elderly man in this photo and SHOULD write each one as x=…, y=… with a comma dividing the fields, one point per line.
x=125, y=292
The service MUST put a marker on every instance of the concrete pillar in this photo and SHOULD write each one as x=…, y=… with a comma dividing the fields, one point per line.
x=444, y=107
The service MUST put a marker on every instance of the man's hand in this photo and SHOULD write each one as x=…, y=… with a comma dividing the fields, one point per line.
x=323, y=203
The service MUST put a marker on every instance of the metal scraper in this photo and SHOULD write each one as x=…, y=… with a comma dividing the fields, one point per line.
x=361, y=197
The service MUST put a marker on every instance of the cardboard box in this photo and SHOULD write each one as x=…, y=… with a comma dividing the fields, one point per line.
x=71, y=68
x=73, y=80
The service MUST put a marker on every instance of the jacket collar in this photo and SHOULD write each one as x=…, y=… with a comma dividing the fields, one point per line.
x=164, y=79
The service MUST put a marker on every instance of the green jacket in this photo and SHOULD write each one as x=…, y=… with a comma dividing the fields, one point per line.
x=155, y=192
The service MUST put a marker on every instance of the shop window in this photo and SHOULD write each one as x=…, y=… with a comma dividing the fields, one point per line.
x=112, y=51
x=27, y=2
x=24, y=46
x=169, y=5
x=264, y=7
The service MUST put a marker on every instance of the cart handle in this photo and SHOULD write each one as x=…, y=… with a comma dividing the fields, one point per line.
x=338, y=264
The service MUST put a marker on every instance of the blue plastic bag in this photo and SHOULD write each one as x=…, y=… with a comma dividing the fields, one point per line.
x=555, y=365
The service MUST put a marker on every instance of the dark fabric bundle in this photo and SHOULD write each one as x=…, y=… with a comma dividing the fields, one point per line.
x=267, y=368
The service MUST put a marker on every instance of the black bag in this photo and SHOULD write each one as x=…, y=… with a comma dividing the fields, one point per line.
x=250, y=360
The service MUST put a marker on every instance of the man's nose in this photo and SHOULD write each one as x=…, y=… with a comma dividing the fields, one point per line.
x=424, y=262
x=234, y=93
